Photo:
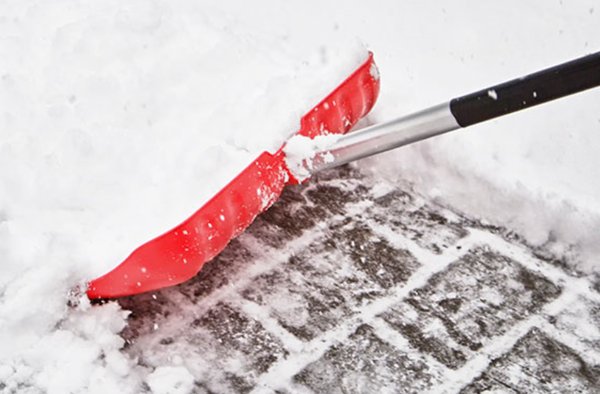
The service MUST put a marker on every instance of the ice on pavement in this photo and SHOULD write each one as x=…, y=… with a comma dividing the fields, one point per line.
x=119, y=119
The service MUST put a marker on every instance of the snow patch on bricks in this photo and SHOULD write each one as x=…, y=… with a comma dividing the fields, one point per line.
x=366, y=363
x=536, y=364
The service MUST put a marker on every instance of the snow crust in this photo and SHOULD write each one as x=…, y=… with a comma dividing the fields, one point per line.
x=119, y=119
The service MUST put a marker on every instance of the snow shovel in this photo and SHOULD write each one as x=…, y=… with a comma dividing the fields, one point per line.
x=180, y=253
x=559, y=81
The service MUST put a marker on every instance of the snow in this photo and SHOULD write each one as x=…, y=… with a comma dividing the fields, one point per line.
x=171, y=380
x=118, y=120
x=82, y=350
x=300, y=153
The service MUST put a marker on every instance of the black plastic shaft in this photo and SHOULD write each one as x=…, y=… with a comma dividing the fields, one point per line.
x=546, y=85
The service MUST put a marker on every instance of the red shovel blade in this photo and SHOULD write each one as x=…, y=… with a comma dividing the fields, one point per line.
x=180, y=253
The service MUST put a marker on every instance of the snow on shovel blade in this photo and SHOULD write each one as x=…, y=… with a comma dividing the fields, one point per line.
x=180, y=253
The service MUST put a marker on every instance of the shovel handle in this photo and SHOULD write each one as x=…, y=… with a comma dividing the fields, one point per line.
x=505, y=98
x=512, y=96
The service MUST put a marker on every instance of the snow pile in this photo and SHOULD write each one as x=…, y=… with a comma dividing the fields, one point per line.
x=80, y=351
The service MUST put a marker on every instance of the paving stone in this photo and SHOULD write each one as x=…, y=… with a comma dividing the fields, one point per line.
x=303, y=207
x=327, y=282
x=364, y=363
x=146, y=310
x=476, y=298
x=538, y=364
x=304, y=309
x=429, y=226
x=383, y=264
x=218, y=272
x=236, y=345
x=287, y=219
x=541, y=252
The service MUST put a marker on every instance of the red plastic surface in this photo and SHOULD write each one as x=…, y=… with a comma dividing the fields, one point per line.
x=180, y=253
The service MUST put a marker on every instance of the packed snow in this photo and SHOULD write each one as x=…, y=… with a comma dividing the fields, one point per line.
x=119, y=119
x=301, y=152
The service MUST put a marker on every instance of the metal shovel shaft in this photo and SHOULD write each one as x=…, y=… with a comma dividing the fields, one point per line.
x=386, y=136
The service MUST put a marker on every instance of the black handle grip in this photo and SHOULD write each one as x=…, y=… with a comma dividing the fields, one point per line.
x=546, y=85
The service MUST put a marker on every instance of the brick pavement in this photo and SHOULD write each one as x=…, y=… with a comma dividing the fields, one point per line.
x=352, y=285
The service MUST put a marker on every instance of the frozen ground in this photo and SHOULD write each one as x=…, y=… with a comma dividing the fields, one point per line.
x=118, y=119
